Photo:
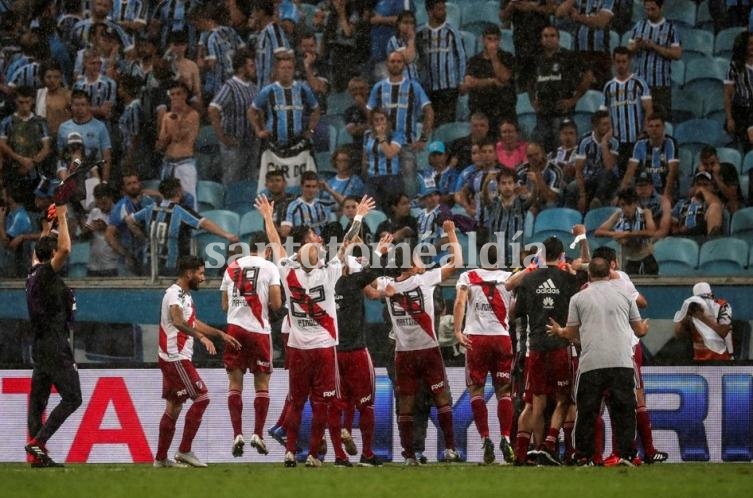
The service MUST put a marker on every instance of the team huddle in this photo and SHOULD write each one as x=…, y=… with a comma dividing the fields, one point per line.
x=329, y=365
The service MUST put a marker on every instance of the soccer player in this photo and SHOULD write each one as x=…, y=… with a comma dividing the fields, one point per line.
x=180, y=380
x=309, y=288
x=51, y=304
x=418, y=358
x=545, y=294
x=250, y=288
x=483, y=300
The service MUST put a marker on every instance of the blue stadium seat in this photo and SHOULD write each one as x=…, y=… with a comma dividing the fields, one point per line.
x=343, y=137
x=227, y=220
x=704, y=76
x=697, y=41
x=713, y=107
x=703, y=17
x=250, y=222
x=476, y=15
x=506, y=41
x=462, y=112
x=566, y=40
x=724, y=256
x=725, y=39
x=747, y=163
x=730, y=155
x=239, y=196
x=638, y=11
x=78, y=259
x=323, y=162
x=470, y=42
x=682, y=12
x=741, y=225
x=528, y=226
x=453, y=14
x=686, y=105
x=210, y=195
x=523, y=105
x=527, y=123
x=374, y=219
x=744, y=186
x=590, y=102
x=701, y=131
x=557, y=219
x=449, y=132
x=596, y=217
x=337, y=103
x=678, y=74
x=676, y=256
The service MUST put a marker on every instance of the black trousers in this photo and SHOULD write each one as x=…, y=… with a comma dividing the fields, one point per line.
x=617, y=387
x=444, y=103
x=62, y=374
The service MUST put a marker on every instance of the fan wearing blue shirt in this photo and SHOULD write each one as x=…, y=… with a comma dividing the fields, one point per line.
x=343, y=184
x=440, y=175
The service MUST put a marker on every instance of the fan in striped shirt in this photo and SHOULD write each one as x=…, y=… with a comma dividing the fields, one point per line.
x=174, y=16
x=307, y=209
x=507, y=211
x=405, y=41
x=656, y=41
x=627, y=97
x=270, y=41
x=564, y=156
x=131, y=120
x=658, y=155
x=102, y=91
x=99, y=14
x=221, y=44
x=442, y=55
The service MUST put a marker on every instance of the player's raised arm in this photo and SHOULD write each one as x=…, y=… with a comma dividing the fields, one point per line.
x=456, y=255
x=266, y=208
x=363, y=208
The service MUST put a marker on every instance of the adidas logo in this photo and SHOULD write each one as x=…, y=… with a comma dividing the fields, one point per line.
x=547, y=287
x=548, y=302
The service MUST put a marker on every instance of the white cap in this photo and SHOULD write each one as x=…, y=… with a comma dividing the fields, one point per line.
x=701, y=289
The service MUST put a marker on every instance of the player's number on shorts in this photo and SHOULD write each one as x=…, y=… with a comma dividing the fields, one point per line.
x=303, y=305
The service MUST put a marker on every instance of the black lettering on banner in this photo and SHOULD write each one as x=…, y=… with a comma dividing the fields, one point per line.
x=303, y=305
x=245, y=280
x=409, y=303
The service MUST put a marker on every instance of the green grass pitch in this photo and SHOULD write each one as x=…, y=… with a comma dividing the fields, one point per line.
x=392, y=480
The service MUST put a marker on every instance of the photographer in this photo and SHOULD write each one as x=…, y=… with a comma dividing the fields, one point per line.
x=708, y=321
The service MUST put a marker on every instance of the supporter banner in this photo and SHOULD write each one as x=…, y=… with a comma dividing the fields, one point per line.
x=292, y=166
x=699, y=414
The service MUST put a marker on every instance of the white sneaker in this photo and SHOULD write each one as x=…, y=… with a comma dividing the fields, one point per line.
x=167, y=463
x=451, y=455
x=290, y=459
x=238, y=444
x=189, y=458
x=258, y=443
x=348, y=443
x=411, y=462
x=312, y=461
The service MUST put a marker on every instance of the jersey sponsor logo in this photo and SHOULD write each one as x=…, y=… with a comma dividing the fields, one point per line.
x=547, y=287
x=548, y=303
x=438, y=385
x=365, y=399
x=503, y=375
x=328, y=394
x=265, y=364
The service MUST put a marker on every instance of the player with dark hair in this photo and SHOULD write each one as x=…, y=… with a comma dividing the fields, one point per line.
x=180, y=380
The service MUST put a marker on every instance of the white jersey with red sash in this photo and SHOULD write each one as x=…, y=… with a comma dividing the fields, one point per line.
x=175, y=345
x=488, y=302
x=411, y=310
x=311, y=304
x=247, y=281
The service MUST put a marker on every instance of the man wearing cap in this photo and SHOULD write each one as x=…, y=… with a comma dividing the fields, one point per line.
x=708, y=320
x=700, y=214
x=660, y=207
x=25, y=143
x=94, y=133
x=439, y=176
x=430, y=219
x=658, y=155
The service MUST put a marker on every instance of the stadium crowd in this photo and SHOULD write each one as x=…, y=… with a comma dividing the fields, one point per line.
x=175, y=110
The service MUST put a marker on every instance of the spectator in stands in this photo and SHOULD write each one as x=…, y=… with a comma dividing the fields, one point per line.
x=228, y=113
x=103, y=260
x=133, y=15
x=382, y=165
x=726, y=183
x=270, y=41
x=469, y=196
x=71, y=13
x=175, y=240
x=275, y=183
x=738, y=92
x=400, y=223
x=404, y=41
x=311, y=69
x=102, y=91
x=127, y=241
x=708, y=321
x=15, y=226
x=539, y=180
x=101, y=46
x=356, y=118
x=172, y=16
x=277, y=112
x=440, y=175
x=100, y=11
x=627, y=97
x=477, y=164
x=94, y=132
x=591, y=38
x=657, y=154
x=405, y=100
x=343, y=184
x=633, y=228
x=383, y=18
x=186, y=69
x=560, y=80
x=346, y=41
x=507, y=211
x=131, y=122
x=307, y=209
x=511, y=149
x=430, y=219
x=656, y=41
x=700, y=214
x=529, y=18
x=564, y=156
x=460, y=149
x=147, y=54
x=442, y=57
x=177, y=138
x=596, y=169
x=54, y=100
x=25, y=145
x=26, y=69
x=489, y=80
x=221, y=45
x=650, y=200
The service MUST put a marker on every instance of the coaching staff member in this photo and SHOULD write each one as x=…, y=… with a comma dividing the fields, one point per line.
x=605, y=318
x=51, y=304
